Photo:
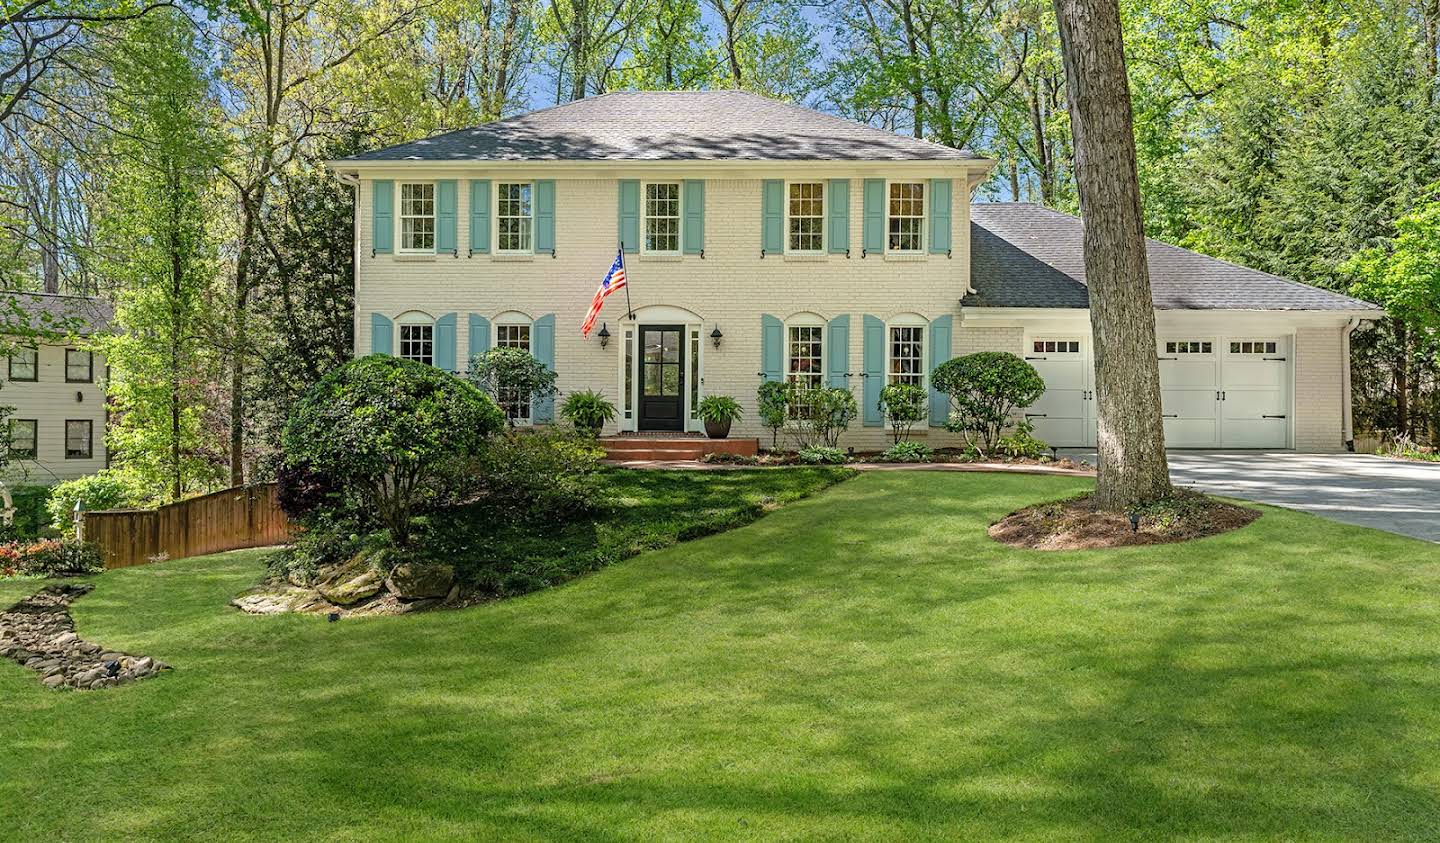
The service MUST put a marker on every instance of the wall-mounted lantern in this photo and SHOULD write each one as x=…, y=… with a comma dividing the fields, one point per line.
x=604, y=333
x=716, y=336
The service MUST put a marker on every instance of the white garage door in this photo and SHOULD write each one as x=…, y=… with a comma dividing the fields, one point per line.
x=1065, y=415
x=1225, y=392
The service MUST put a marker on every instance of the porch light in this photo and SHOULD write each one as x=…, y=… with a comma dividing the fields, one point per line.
x=716, y=336
x=604, y=334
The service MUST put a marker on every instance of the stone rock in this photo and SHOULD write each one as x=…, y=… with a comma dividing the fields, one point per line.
x=350, y=583
x=454, y=595
x=54, y=680
x=412, y=581
x=278, y=598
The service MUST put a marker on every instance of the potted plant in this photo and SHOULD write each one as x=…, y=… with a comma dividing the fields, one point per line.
x=587, y=410
x=718, y=411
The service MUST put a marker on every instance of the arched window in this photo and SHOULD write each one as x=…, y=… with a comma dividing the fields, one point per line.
x=417, y=337
x=905, y=349
x=512, y=330
x=805, y=351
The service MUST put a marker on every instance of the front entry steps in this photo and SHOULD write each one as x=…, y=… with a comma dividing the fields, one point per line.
x=674, y=446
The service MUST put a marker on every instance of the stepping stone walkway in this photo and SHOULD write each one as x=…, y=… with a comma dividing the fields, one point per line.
x=38, y=633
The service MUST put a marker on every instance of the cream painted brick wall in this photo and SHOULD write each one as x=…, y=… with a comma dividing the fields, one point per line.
x=1319, y=362
x=730, y=287
x=972, y=340
x=51, y=401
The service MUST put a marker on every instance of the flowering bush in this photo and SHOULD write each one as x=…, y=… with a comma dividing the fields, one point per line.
x=50, y=558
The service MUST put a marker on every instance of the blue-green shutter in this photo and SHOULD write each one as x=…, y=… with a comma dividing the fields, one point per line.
x=630, y=215
x=446, y=208
x=939, y=216
x=772, y=216
x=693, y=232
x=837, y=212
x=873, y=229
x=874, y=368
x=381, y=335
x=939, y=353
x=479, y=336
x=542, y=345
x=772, y=348
x=382, y=221
x=445, y=342
x=545, y=215
x=479, y=216
x=837, y=351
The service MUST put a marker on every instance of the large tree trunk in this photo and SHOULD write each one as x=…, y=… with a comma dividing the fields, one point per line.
x=1132, y=462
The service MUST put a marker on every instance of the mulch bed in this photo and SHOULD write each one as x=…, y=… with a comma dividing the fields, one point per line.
x=1077, y=524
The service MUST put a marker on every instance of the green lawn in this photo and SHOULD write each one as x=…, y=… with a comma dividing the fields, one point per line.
x=863, y=664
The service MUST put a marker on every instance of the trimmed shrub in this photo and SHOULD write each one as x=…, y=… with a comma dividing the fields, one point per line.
x=105, y=489
x=820, y=415
x=772, y=401
x=904, y=404
x=908, y=452
x=986, y=390
x=542, y=472
x=51, y=558
x=514, y=372
x=393, y=432
x=822, y=455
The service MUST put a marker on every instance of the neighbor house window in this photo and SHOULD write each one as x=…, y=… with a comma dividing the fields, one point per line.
x=79, y=366
x=515, y=217
x=906, y=362
x=25, y=364
x=417, y=217
x=417, y=342
x=1253, y=347
x=23, y=433
x=804, y=362
x=77, y=438
x=662, y=218
x=513, y=335
x=1188, y=347
x=805, y=215
x=906, y=231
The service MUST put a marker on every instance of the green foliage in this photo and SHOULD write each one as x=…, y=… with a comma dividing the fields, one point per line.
x=773, y=404
x=986, y=389
x=822, y=455
x=1022, y=442
x=587, y=410
x=718, y=409
x=109, y=488
x=1404, y=274
x=392, y=431
x=539, y=473
x=819, y=416
x=512, y=377
x=908, y=451
x=32, y=515
x=904, y=404
x=51, y=558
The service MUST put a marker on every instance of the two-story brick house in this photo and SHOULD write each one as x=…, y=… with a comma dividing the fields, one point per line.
x=768, y=241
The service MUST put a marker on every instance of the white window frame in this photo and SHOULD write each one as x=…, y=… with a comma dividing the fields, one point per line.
x=924, y=217
x=679, y=219
x=495, y=217
x=515, y=319
x=412, y=319
x=804, y=320
x=824, y=208
x=401, y=216
x=909, y=320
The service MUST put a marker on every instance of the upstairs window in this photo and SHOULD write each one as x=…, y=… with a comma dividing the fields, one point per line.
x=662, y=218
x=79, y=366
x=515, y=218
x=78, y=439
x=906, y=223
x=805, y=217
x=417, y=217
x=23, y=433
x=25, y=364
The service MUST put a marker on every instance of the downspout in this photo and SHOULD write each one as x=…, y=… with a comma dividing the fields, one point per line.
x=1347, y=412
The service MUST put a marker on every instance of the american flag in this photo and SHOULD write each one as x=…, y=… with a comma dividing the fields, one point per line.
x=613, y=280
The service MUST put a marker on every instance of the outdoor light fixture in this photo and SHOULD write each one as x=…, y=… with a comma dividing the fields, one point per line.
x=333, y=617
x=1134, y=522
x=1054, y=454
x=716, y=336
x=604, y=334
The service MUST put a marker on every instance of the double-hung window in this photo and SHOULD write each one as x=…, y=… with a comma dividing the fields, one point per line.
x=906, y=357
x=662, y=218
x=905, y=232
x=417, y=217
x=417, y=342
x=513, y=335
x=78, y=439
x=805, y=217
x=25, y=364
x=23, y=433
x=79, y=366
x=515, y=218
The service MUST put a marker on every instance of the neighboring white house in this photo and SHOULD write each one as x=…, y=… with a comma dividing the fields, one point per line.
x=768, y=241
x=57, y=427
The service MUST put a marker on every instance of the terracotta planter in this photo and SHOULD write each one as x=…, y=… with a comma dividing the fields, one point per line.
x=717, y=430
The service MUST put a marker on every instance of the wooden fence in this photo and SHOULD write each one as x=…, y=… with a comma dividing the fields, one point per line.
x=245, y=516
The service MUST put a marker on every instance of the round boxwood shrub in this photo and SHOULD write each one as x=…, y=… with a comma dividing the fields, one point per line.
x=390, y=431
x=986, y=389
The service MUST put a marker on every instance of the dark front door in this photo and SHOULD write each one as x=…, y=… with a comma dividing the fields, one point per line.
x=662, y=377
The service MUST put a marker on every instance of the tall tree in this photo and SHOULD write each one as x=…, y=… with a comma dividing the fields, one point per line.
x=1132, y=463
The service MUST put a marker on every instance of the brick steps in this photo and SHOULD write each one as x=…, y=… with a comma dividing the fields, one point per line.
x=623, y=448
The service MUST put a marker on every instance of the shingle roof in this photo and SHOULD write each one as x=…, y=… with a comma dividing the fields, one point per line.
x=1025, y=255
x=671, y=126
x=55, y=313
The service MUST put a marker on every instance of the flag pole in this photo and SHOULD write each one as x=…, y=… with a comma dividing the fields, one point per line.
x=629, y=311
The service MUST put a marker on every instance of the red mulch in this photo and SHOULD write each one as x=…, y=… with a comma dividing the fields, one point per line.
x=1077, y=524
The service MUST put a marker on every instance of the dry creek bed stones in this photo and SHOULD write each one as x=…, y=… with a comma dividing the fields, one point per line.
x=39, y=633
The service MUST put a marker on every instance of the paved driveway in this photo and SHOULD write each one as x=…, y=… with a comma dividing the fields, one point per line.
x=1402, y=497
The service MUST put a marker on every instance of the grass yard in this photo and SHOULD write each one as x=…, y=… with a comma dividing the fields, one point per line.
x=864, y=664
